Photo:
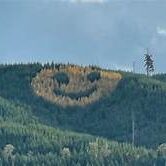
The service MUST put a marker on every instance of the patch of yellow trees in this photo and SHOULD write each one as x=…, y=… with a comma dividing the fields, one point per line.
x=44, y=85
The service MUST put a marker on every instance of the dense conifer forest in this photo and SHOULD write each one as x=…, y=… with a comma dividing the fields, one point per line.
x=68, y=115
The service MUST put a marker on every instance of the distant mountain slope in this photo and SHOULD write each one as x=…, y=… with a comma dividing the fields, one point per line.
x=40, y=126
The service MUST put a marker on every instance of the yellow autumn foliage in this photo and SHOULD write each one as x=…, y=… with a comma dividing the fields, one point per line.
x=44, y=85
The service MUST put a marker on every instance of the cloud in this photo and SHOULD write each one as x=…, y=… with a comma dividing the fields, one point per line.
x=87, y=1
x=103, y=1
x=161, y=31
x=78, y=1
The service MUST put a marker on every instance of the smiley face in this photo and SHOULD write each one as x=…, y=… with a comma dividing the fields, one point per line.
x=74, y=85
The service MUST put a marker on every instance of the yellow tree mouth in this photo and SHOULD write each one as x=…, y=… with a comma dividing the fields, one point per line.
x=74, y=85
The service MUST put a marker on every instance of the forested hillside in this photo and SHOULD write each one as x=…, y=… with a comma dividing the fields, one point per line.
x=54, y=115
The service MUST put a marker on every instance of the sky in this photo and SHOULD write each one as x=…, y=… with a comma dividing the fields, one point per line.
x=110, y=33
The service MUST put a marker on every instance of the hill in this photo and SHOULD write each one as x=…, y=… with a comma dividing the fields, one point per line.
x=38, y=129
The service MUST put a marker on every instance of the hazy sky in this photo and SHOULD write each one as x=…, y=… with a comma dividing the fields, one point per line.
x=109, y=33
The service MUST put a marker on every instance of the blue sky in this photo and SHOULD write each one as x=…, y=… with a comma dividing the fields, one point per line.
x=109, y=33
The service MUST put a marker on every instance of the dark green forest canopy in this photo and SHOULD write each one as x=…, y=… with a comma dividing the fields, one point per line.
x=43, y=132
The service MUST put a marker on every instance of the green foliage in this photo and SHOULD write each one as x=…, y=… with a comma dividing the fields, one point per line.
x=76, y=95
x=42, y=133
x=149, y=63
x=93, y=76
x=33, y=143
x=61, y=78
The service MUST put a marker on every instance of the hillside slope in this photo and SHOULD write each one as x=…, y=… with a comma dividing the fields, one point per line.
x=25, y=141
x=42, y=129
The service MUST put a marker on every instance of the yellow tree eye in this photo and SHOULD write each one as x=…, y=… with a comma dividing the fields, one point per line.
x=74, y=85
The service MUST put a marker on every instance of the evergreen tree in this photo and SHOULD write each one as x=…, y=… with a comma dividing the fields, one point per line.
x=148, y=63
